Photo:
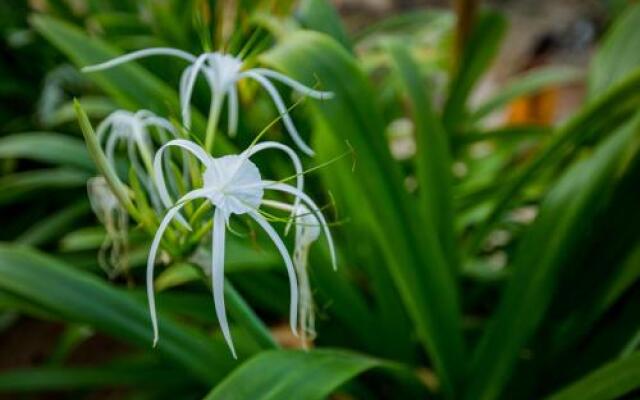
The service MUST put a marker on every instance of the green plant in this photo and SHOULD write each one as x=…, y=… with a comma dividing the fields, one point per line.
x=418, y=292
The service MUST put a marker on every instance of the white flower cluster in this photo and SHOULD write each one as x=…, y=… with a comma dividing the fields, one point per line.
x=232, y=184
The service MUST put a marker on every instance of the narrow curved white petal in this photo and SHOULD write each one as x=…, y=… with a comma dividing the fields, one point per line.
x=104, y=126
x=233, y=108
x=293, y=282
x=151, y=264
x=217, y=276
x=191, y=147
x=110, y=147
x=295, y=85
x=156, y=51
x=283, y=187
x=187, y=90
x=297, y=164
x=151, y=260
x=282, y=109
x=160, y=123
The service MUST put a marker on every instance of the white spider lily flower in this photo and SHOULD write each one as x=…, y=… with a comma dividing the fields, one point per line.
x=222, y=72
x=133, y=130
x=234, y=186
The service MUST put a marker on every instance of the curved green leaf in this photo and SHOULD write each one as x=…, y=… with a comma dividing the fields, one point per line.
x=619, y=53
x=15, y=186
x=482, y=46
x=565, y=215
x=80, y=297
x=607, y=383
x=48, y=147
x=373, y=192
x=530, y=83
x=285, y=374
x=321, y=16
x=433, y=156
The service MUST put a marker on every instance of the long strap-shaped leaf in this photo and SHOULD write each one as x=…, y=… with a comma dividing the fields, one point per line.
x=80, y=297
x=607, y=383
x=564, y=216
x=287, y=374
x=433, y=156
x=375, y=196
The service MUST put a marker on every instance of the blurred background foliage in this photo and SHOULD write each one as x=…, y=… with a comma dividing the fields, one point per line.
x=486, y=216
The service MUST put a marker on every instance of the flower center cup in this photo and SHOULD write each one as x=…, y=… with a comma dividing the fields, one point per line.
x=235, y=184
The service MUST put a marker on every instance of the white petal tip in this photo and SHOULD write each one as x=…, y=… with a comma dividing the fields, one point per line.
x=155, y=342
x=327, y=96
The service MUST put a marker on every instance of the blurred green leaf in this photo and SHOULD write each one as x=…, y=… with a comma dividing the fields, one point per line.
x=530, y=83
x=374, y=193
x=433, y=157
x=619, y=53
x=49, y=147
x=15, y=186
x=478, y=54
x=566, y=213
x=321, y=16
x=53, y=226
x=72, y=378
x=607, y=383
x=287, y=374
x=597, y=119
x=80, y=297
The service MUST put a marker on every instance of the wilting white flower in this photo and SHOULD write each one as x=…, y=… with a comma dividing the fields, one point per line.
x=308, y=230
x=234, y=186
x=115, y=220
x=222, y=72
x=133, y=130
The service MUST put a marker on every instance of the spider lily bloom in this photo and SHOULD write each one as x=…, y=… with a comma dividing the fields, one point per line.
x=233, y=185
x=222, y=72
x=134, y=130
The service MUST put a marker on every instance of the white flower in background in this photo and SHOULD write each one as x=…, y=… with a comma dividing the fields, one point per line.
x=234, y=186
x=112, y=256
x=222, y=72
x=135, y=130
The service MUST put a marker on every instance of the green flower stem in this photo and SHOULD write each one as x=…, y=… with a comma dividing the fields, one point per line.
x=98, y=156
x=212, y=123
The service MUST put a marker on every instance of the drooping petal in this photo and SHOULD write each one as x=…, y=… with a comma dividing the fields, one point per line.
x=194, y=149
x=297, y=164
x=295, y=85
x=282, y=109
x=151, y=264
x=187, y=90
x=110, y=147
x=283, y=187
x=151, y=260
x=233, y=107
x=105, y=126
x=217, y=276
x=293, y=283
x=157, y=51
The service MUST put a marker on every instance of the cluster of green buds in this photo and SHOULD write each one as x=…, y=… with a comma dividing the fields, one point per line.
x=169, y=172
